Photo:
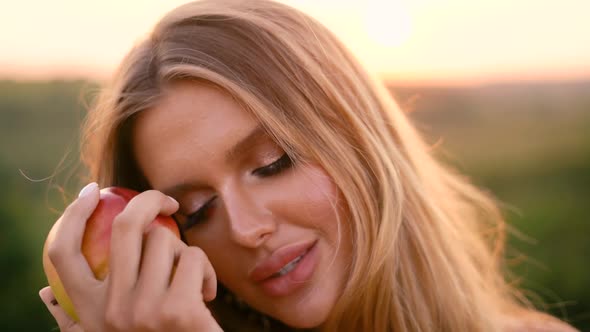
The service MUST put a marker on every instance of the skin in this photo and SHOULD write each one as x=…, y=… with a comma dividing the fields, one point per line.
x=186, y=148
x=252, y=215
x=132, y=297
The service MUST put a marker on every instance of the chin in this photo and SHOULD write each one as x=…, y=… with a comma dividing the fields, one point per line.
x=305, y=314
x=306, y=322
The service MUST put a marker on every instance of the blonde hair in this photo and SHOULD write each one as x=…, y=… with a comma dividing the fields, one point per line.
x=428, y=245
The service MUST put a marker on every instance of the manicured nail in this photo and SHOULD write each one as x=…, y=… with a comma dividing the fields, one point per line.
x=88, y=189
x=172, y=199
x=46, y=294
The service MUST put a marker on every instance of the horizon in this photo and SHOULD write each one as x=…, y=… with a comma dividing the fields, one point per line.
x=418, y=42
x=389, y=83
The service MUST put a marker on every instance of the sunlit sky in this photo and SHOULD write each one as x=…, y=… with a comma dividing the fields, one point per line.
x=421, y=41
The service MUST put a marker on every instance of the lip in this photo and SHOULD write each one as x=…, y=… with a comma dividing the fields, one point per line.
x=278, y=259
x=300, y=276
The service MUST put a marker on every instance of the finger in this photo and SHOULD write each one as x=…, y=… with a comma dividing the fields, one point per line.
x=161, y=248
x=65, y=242
x=194, y=276
x=65, y=323
x=127, y=238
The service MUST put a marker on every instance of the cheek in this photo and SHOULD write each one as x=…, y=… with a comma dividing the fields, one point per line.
x=305, y=200
x=213, y=240
x=316, y=197
x=225, y=257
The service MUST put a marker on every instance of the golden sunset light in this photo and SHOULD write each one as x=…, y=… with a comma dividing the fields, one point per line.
x=436, y=177
x=389, y=23
x=451, y=41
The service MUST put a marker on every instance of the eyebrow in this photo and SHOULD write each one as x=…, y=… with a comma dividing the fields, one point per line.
x=242, y=145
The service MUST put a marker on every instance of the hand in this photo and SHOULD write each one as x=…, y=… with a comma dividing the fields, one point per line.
x=138, y=294
x=65, y=323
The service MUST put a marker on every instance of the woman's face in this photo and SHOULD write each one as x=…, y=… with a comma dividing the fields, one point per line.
x=269, y=227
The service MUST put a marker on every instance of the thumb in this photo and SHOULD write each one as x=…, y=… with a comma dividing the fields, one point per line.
x=66, y=324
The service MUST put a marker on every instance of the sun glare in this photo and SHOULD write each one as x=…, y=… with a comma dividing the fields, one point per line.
x=389, y=23
x=483, y=40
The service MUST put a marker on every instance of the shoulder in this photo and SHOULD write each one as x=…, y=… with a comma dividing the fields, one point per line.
x=534, y=321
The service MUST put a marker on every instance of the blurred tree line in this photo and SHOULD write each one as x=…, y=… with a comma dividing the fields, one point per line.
x=528, y=144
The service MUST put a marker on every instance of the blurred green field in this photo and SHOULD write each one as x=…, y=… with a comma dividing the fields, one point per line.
x=527, y=144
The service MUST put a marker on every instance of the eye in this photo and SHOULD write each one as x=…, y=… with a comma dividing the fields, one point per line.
x=275, y=167
x=201, y=215
x=206, y=211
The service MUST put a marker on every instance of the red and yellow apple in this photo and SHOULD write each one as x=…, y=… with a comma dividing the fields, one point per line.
x=96, y=241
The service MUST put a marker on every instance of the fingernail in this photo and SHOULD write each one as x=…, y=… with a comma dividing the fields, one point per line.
x=45, y=294
x=173, y=200
x=88, y=189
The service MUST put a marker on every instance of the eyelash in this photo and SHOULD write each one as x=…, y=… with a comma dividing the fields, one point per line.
x=203, y=213
x=275, y=167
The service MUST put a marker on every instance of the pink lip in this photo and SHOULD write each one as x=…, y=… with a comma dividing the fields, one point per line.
x=278, y=259
x=298, y=277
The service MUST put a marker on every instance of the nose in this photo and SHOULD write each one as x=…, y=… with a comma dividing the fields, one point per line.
x=250, y=222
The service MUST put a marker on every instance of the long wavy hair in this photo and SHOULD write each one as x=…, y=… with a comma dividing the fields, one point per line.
x=428, y=245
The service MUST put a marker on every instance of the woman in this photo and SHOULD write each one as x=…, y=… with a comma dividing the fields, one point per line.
x=300, y=188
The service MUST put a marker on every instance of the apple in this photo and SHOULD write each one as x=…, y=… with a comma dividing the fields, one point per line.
x=96, y=241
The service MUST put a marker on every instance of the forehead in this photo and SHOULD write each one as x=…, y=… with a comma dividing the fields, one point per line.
x=192, y=127
x=196, y=107
x=196, y=101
